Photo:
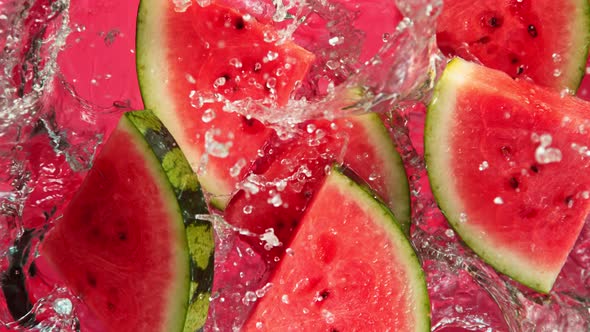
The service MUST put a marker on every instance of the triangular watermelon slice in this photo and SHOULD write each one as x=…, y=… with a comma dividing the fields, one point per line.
x=191, y=61
x=544, y=40
x=121, y=245
x=350, y=268
x=508, y=163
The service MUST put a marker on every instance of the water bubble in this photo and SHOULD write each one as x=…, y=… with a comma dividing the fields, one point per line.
x=462, y=217
x=335, y=41
x=203, y=3
x=310, y=128
x=208, y=115
x=180, y=6
x=249, y=297
x=259, y=325
x=275, y=200
x=220, y=81
x=235, y=62
x=236, y=169
x=290, y=252
x=216, y=148
x=557, y=72
x=271, y=83
x=328, y=316
x=449, y=233
x=270, y=56
x=332, y=64
x=285, y=299
x=247, y=209
x=62, y=306
x=544, y=154
x=484, y=165
x=262, y=291
x=556, y=57
x=270, y=239
x=498, y=201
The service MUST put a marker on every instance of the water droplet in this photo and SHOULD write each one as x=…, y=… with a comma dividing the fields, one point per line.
x=236, y=169
x=449, y=233
x=180, y=6
x=556, y=57
x=498, y=200
x=208, y=115
x=328, y=316
x=259, y=325
x=544, y=154
x=247, y=209
x=275, y=200
x=220, y=81
x=285, y=299
x=483, y=166
x=235, y=62
x=216, y=148
x=270, y=239
x=249, y=297
x=270, y=56
x=62, y=306
x=290, y=252
x=336, y=40
x=462, y=217
x=557, y=72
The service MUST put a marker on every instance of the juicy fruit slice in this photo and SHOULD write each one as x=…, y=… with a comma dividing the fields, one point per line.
x=282, y=183
x=192, y=63
x=351, y=268
x=546, y=41
x=122, y=242
x=507, y=162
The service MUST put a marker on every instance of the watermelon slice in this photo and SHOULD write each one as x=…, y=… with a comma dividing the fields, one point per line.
x=191, y=61
x=508, y=162
x=350, y=268
x=546, y=41
x=121, y=245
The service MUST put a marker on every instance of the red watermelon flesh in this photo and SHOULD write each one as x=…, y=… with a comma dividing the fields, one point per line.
x=191, y=63
x=546, y=41
x=129, y=266
x=277, y=191
x=350, y=268
x=508, y=162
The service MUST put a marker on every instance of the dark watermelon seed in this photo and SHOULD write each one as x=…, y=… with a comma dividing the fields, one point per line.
x=535, y=169
x=334, y=329
x=519, y=70
x=91, y=280
x=569, y=201
x=506, y=151
x=514, y=59
x=492, y=19
x=484, y=40
x=122, y=236
x=323, y=295
x=532, y=31
x=513, y=183
x=239, y=24
x=111, y=306
x=248, y=121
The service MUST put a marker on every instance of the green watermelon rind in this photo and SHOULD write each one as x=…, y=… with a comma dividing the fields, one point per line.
x=394, y=171
x=399, y=238
x=190, y=202
x=580, y=46
x=437, y=156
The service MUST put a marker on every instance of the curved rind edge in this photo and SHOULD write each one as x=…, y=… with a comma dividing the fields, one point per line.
x=400, y=240
x=399, y=186
x=578, y=68
x=514, y=267
x=191, y=202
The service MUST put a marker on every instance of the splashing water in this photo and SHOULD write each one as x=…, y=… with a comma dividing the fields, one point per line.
x=58, y=104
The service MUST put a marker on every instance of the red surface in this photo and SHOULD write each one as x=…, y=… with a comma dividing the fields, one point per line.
x=328, y=284
x=211, y=37
x=104, y=249
x=501, y=37
x=544, y=205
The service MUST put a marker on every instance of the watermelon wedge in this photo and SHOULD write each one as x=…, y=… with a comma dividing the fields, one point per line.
x=508, y=163
x=191, y=62
x=350, y=268
x=121, y=245
x=544, y=40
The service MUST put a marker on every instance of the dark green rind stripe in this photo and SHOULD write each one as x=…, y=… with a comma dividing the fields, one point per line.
x=191, y=202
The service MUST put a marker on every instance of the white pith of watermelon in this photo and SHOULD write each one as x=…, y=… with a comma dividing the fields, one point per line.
x=519, y=213
x=121, y=244
x=546, y=41
x=179, y=53
x=351, y=268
